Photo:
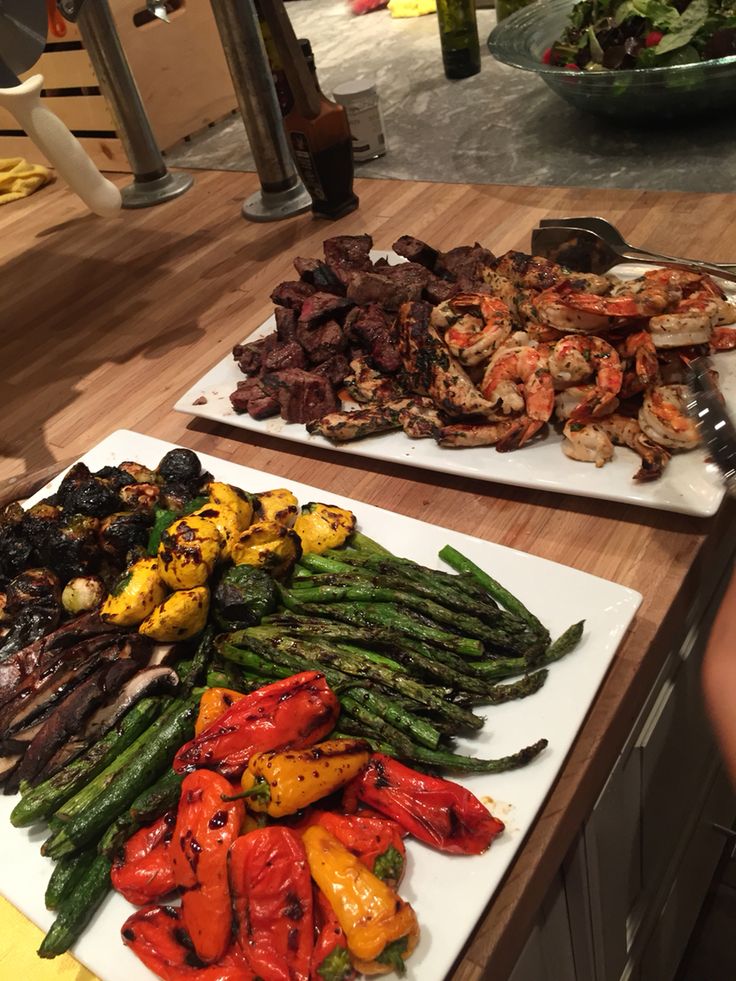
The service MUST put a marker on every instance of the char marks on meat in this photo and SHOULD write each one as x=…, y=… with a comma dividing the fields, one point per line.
x=415, y=250
x=348, y=252
x=371, y=327
x=302, y=395
x=318, y=274
x=290, y=355
x=250, y=355
x=286, y=321
x=323, y=342
x=292, y=294
x=251, y=397
x=390, y=287
x=465, y=264
x=323, y=306
x=334, y=369
x=367, y=385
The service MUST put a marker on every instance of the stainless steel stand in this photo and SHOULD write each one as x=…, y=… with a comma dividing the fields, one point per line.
x=282, y=193
x=153, y=183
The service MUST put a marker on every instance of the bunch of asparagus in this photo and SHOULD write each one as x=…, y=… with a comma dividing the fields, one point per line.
x=397, y=644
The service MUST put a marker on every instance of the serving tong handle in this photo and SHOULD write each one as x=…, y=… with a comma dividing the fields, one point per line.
x=608, y=232
x=706, y=407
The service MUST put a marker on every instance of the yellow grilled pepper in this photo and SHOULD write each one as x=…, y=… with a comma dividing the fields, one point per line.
x=181, y=615
x=188, y=552
x=268, y=545
x=213, y=703
x=323, y=526
x=281, y=783
x=380, y=928
x=233, y=498
x=278, y=505
x=135, y=595
x=224, y=519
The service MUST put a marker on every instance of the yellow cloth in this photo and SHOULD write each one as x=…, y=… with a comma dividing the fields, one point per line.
x=18, y=178
x=18, y=957
x=411, y=8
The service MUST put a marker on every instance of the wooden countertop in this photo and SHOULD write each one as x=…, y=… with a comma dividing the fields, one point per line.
x=105, y=324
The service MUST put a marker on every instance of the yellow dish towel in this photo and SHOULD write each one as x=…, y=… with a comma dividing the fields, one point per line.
x=18, y=958
x=18, y=178
x=411, y=8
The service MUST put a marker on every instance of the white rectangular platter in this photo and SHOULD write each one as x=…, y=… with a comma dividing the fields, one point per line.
x=449, y=893
x=690, y=484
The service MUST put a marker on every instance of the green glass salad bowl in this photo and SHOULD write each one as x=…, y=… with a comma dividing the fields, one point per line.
x=651, y=95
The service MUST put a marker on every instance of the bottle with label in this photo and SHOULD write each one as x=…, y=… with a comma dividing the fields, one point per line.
x=360, y=99
x=459, y=37
x=280, y=81
x=322, y=148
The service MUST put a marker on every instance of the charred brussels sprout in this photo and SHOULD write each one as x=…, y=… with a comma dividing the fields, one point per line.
x=34, y=606
x=140, y=497
x=244, y=595
x=16, y=545
x=139, y=473
x=82, y=493
x=70, y=549
x=34, y=586
x=181, y=498
x=180, y=466
x=125, y=532
x=117, y=477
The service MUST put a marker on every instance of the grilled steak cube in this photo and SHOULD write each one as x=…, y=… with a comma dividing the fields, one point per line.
x=318, y=274
x=302, y=395
x=334, y=369
x=348, y=252
x=251, y=397
x=415, y=250
x=292, y=294
x=439, y=290
x=390, y=287
x=283, y=356
x=371, y=327
x=250, y=356
x=322, y=342
x=286, y=321
x=464, y=264
x=323, y=306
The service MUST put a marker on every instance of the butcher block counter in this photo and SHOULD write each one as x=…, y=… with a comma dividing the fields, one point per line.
x=105, y=324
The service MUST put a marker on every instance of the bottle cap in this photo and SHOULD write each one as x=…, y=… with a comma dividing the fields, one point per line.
x=354, y=88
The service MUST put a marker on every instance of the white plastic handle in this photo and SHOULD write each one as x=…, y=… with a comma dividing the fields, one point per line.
x=62, y=149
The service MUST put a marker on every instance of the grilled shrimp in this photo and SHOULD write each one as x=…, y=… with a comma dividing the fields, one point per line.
x=575, y=358
x=474, y=325
x=691, y=322
x=640, y=363
x=568, y=401
x=519, y=379
x=663, y=417
x=573, y=312
x=723, y=338
x=593, y=443
x=587, y=442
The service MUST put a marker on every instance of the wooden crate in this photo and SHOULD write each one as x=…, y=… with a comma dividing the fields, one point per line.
x=179, y=67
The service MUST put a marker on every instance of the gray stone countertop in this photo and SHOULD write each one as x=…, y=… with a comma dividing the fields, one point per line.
x=503, y=126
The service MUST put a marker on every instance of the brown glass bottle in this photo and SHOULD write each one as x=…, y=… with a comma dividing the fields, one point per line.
x=323, y=153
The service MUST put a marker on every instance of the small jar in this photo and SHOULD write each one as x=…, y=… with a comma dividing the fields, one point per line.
x=360, y=99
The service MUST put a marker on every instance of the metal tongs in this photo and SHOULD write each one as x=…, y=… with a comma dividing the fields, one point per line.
x=594, y=245
x=706, y=408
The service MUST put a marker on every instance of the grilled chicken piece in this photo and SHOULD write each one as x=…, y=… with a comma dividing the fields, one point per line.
x=431, y=370
x=342, y=427
x=421, y=420
x=462, y=434
x=368, y=385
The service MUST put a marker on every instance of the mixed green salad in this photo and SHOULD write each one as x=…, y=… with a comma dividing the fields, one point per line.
x=604, y=34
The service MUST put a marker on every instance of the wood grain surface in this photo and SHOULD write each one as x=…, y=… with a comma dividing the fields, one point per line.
x=105, y=324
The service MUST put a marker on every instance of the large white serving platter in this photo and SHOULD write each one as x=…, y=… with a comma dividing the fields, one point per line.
x=690, y=484
x=449, y=893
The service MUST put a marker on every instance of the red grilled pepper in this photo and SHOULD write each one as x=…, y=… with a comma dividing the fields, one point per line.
x=330, y=959
x=296, y=711
x=157, y=937
x=144, y=872
x=206, y=826
x=376, y=840
x=272, y=899
x=436, y=811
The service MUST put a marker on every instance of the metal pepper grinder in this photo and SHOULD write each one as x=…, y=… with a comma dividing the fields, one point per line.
x=152, y=183
x=282, y=193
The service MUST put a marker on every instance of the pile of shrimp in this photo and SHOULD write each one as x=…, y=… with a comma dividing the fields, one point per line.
x=603, y=358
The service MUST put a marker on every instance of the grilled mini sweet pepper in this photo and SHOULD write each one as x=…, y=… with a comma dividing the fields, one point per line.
x=272, y=900
x=283, y=783
x=296, y=711
x=436, y=811
x=330, y=958
x=206, y=826
x=377, y=841
x=143, y=872
x=380, y=928
x=214, y=703
x=157, y=937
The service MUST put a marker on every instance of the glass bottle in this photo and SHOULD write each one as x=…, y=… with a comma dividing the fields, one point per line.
x=459, y=37
x=322, y=148
x=280, y=81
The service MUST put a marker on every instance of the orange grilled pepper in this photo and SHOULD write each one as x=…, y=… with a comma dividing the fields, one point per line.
x=380, y=928
x=143, y=872
x=214, y=703
x=376, y=840
x=278, y=784
x=206, y=826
